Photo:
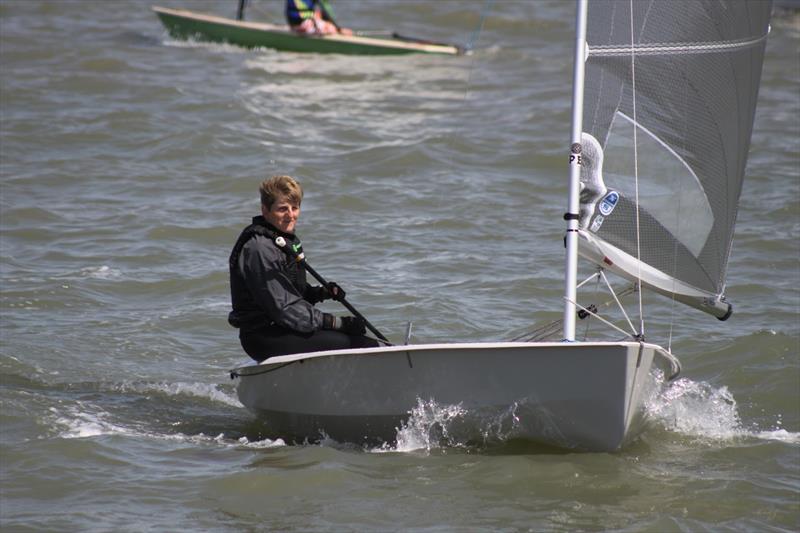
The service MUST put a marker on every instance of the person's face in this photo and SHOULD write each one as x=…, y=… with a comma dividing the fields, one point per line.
x=283, y=214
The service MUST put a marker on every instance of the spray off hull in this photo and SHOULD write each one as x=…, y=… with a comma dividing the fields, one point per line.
x=582, y=396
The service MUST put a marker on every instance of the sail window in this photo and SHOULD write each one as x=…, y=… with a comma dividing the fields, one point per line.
x=668, y=188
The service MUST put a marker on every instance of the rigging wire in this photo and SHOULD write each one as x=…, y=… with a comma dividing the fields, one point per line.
x=470, y=45
x=596, y=296
x=635, y=287
x=551, y=331
x=606, y=322
x=474, y=38
x=636, y=173
x=267, y=14
x=678, y=228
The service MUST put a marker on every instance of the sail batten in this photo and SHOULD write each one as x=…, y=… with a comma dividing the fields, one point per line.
x=675, y=48
x=667, y=187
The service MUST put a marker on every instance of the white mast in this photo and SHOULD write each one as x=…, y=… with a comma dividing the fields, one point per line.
x=571, y=266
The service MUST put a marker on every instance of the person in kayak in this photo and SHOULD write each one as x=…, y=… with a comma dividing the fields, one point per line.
x=273, y=304
x=313, y=17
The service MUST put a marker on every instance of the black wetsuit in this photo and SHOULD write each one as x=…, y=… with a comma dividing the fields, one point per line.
x=273, y=304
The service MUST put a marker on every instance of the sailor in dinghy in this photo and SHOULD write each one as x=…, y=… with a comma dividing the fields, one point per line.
x=273, y=304
x=313, y=17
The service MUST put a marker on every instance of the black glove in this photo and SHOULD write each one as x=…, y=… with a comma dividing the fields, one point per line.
x=353, y=325
x=316, y=294
x=346, y=324
x=335, y=291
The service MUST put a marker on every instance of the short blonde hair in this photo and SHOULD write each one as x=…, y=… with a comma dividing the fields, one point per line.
x=280, y=186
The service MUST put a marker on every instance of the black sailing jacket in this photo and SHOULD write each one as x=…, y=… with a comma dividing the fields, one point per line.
x=267, y=286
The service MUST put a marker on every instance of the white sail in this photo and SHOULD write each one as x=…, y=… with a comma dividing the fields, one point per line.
x=670, y=95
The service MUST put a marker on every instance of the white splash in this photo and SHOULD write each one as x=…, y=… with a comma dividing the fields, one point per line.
x=261, y=444
x=701, y=410
x=101, y=272
x=780, y=435
x=428, y=427
x=698, y=409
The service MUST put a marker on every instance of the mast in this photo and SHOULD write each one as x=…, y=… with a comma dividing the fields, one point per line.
x=571, y=240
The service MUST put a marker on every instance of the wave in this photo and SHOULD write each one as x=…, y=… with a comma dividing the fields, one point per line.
x=100, y=272
x=199, y=390
x=84, y=420
x=147, y=416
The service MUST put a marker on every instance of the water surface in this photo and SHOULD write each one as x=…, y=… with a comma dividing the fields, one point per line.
x=435, y=187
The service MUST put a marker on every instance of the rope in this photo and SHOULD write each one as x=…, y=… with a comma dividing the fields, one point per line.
x=235, y=374
x=545, y=332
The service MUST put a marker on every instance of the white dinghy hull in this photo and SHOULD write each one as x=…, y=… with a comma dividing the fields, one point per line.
x=582, y=396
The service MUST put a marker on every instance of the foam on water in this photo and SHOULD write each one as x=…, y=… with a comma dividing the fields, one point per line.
x=214, y=47
x=201, y=390
x=261, y=444
x=708, y=413
x=84, y=420
x=100, y=272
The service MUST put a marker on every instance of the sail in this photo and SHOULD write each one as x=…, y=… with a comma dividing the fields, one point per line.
x=669, y=101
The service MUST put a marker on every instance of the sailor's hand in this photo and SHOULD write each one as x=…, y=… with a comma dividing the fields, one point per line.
x=335, y=291
x=346, y=324
x=353, y=325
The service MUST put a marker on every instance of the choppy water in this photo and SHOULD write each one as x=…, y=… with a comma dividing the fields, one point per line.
x=435, y=185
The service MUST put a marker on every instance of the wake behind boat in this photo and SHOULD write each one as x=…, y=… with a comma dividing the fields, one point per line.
x=184, y=24
x=662, y=112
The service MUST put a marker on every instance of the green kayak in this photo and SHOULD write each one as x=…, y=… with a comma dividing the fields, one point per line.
x=185, y=24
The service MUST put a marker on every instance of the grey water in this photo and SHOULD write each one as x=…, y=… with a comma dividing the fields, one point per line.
x=435, y=188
